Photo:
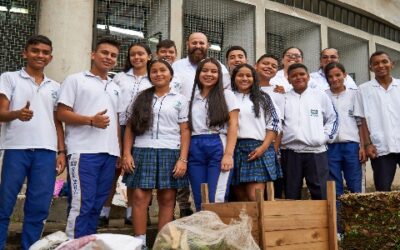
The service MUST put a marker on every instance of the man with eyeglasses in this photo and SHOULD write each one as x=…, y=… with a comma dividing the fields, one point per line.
x=318, y=78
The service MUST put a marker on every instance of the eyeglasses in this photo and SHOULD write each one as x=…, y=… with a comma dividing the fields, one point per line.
x=293, y=56
x=330, y=57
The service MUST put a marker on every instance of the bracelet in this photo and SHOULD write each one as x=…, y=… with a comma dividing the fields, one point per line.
x=63, y=151
x=367, y=144
x=183, y=159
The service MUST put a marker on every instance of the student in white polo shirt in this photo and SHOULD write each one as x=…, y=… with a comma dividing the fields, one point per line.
x=213, y=117
x=235, y=56
x=160, y=135
x=132, y=80
x=378, y=104
x=30, y=138
x=89, y=104
x=255, y=160
x=345, y=153
x=309, y=123
x=329, y=55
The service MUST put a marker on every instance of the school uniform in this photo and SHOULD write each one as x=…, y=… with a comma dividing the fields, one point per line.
x=29, y=151
x=277, y=98
x=380, y=108
x=157, y=150
x=343, y=152
x=187, y=72
x=206, y=150
x=320, y=81
x=92, y=152
x=251, y=134
x=281, y=80
x=310, y=121
x=130, y=85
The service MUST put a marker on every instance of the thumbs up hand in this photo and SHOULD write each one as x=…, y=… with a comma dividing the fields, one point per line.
x=25, y=114
x=100, y=120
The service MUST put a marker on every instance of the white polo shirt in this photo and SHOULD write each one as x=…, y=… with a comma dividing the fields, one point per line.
x=250, y=126
x=87, y=95
x=344, y=104
x=40, y=131
x=168, y=112
x=381, y=109
x=320, y=81
x=310, y=121
x=281, y=80
x=277, y=98
x=131, y=85
x=200, y=110
x=187, y=72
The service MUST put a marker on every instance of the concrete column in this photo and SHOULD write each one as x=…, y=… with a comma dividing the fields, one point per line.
x=176, y=27
x=371, y=50
x=260, y=29
x=69, y=24
x=324, y=36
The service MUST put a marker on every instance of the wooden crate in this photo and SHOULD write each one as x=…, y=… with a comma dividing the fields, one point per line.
x=284, y=224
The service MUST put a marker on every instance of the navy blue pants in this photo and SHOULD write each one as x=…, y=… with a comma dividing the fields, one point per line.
x=205, y=155
x=384, y=168
x=39, y=167
x=91, y=177
x=344, y=162
x=310, y=166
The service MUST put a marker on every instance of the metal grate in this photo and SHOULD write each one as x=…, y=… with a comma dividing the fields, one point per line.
x=283, y=31
x=132, y=21
x=395, y=56
x=17, y=23
x=225, y=22
x=353, y=53
x=346, y=16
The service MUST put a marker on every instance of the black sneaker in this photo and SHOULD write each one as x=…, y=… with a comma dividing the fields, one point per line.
x=103, y=222
x=128, y=221
x=185, y=212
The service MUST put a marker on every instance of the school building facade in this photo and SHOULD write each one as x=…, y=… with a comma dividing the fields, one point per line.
x=356, y=28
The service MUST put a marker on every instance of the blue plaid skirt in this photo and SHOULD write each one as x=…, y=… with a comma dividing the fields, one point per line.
x=153, y=169
x=266, y=168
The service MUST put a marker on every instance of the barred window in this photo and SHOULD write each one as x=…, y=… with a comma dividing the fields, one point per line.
x=17, y=23
x=225, y=23
x=132, y=21
x=353, y=52
x=283, y=31
x=395, y=56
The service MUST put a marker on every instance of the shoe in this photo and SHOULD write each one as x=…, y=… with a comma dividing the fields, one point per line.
x=185, y=212
x=103, y=222
x=128, y=221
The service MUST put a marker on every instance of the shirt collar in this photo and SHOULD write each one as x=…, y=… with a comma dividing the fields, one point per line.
x=375, y=83
x=25, y=75
x=90, y=74
x=130, y=72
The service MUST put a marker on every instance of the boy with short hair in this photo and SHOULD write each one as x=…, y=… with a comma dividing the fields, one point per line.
x=30, y=138
x=89, y=104
x=378, y=104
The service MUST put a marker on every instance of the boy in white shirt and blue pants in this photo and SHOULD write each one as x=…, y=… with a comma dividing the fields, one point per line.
x=30, y=137
x=309, y=122
x=89, y=104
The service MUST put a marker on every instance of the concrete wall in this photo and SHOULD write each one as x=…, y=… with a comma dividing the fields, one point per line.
x=68, y=23
x=385, y=9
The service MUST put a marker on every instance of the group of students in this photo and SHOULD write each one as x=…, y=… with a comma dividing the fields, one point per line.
x=168, y=125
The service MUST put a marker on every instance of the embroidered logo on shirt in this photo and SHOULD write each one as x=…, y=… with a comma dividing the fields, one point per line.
x=178, y=105
x=116, y=92
x=351, y=112
x=54, y=94
x=314, y=112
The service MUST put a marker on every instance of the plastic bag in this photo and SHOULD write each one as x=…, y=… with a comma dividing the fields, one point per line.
x=205, y=231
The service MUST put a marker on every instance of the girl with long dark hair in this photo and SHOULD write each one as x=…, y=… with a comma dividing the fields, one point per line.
x=159, y=132
x=259, y=123
x=213, y=118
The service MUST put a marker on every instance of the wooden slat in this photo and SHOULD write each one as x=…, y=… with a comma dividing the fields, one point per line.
x=261, y=226
x=305, y=246
x=289, y=237
x=270, y=191
x=232, y=209
x=295, y=207
x=331, y=200
x=272, y=223
x=204, y=193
